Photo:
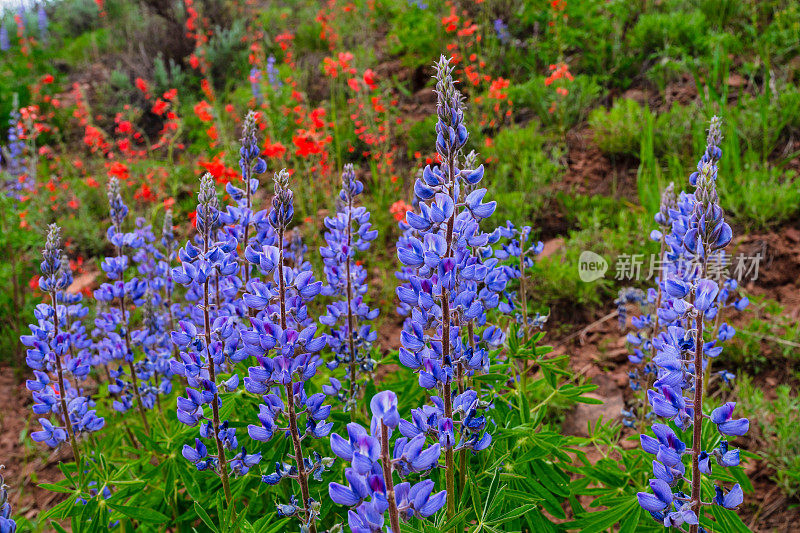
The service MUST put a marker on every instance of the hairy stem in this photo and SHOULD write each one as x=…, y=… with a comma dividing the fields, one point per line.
x=394, y=515
x=62, y=391
x=697, y=423
x=351, y=399
x=134, y=377
x=447, y=393
x=302, y=475
x=212, y=375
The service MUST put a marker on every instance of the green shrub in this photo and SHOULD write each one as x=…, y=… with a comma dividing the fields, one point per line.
x=778, y=420
x=525, y=165
x=670, y=34
x=757, y=194
x=618, y=131
x=760, y=341
x=533, y=94
x=671, y=129
x=412, y=36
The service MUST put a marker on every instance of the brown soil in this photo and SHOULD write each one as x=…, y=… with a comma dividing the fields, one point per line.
x=27, y=464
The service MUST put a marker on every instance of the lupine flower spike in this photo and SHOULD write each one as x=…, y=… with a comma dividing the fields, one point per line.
x=114, y=326
x=448, y=287
x=699, y=232
x=282, y=327
x=206, y=346
x=349, y=231
x=57, y=353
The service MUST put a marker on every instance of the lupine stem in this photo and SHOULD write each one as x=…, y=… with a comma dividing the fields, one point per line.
x=522, y=296
x=134, y=379
x=447, y=393
x=62, y=392
x=697, y=423
x=223, y=466
x=394, y=516
x=350, y=322
x=302, y=476
x=697, y=431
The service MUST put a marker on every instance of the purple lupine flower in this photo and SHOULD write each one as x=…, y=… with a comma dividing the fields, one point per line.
x=58, y=354
x=732, y=499
x=501, y=30
x=517, y=256
x=5, y=45
x=693, y=236
x=114, y=338
x=41, y=19
x=451, y=281
x=371, y=492
x=351, y=336
x=15, y=155
x=7, y=524
x=283, y=339
x=208, y=341
x=255, y=85
x=272, y=73
x=153, y=338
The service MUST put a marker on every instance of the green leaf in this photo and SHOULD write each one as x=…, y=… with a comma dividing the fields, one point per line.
x=204, y=517
x=631, y=522
x=141, y=514
x=474, y=493
x=493, y=487
x=602, y=520
x=524, y=407
x=513, y=514
x=458, y=517
x=492, y=378
x=54, y=487
x=727, y=520
x=57, y=527
x=63, y=510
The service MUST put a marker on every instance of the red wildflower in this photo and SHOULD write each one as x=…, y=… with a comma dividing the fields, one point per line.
x=399, y=210
x=203, y=111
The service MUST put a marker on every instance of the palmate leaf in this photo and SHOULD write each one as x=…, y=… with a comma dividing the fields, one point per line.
x=511, y=515
x=63, y=510
x=595, y=522
x=141, y=514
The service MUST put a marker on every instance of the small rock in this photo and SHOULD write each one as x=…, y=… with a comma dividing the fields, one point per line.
x=793, y=234
x=551, y=247
x=617, y=355
x=736, y=80
x=84, y=281
x=582, y=415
